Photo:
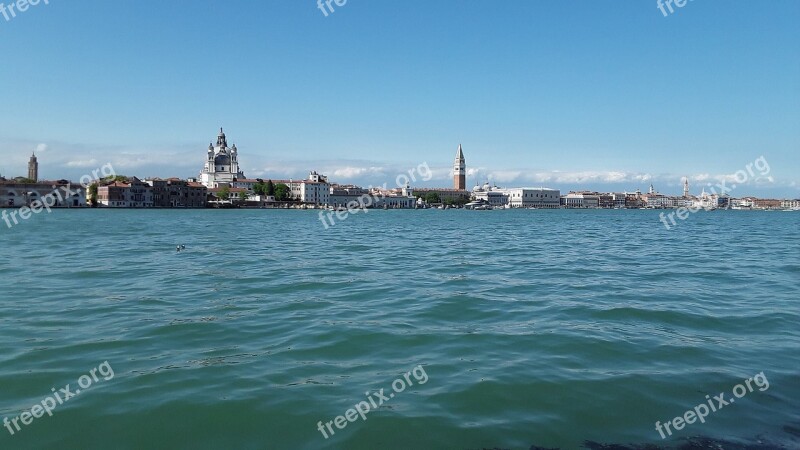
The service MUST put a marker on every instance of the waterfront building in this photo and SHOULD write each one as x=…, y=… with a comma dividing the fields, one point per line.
x=295, y=188
x=710, y=201
x=315, y=190
x=15, y=194
x=533, y=197
x=244, y=183
x=342, y=195
x=584, y=199
x=619, y=199
x=656, y=200
x=177, y=193
x=767, y=203
x=233, y=195
x=492, y=195
x=222, y=164
x=517, y=197
x=724, y=201
x=634, y=200
x=133, y=194
x=790, y=203
x=605, y=200
x=460, y=171
x=395, y=202
x=398, y=198
x=33, y=168
x=260, y=200
x=743, y=203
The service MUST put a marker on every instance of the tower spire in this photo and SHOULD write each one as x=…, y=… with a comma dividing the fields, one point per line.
x=221, y=140
x=460, y=171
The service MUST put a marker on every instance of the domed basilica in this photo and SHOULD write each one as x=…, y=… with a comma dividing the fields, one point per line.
x=222, y=164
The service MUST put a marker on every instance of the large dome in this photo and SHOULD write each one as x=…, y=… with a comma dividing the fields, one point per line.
x=222, y=159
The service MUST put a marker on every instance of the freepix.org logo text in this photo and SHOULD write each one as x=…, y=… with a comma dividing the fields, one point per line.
x=11, y=10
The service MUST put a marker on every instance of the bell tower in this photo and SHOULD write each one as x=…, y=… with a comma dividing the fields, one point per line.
x=460, y=171
x=33, y=168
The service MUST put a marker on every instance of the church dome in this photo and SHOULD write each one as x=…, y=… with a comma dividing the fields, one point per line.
x=222, y=159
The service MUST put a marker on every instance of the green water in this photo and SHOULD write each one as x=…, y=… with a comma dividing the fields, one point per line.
x=532, y=328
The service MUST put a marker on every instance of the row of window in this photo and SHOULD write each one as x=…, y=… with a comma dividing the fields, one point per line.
x=528, y=195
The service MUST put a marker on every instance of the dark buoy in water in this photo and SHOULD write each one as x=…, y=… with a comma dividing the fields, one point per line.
x=178, y=248
x=183, y=247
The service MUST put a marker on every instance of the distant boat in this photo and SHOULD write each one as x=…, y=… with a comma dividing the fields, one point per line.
x=478, y=205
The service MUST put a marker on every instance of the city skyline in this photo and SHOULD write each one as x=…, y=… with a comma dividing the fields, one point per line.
x=641, y=98
x=439, y=176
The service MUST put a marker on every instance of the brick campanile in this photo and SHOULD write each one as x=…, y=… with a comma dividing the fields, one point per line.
x=460, y=171
x=33, y=168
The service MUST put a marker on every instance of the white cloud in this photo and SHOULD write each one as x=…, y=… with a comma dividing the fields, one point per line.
x=615, y=177
x=504, y=176
x=133, y=161
x=703, y=177
x=82, y=164
x=278, y=172
x=350, y=172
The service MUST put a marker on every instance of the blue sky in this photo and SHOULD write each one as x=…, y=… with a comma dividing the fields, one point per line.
x=568, y=94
